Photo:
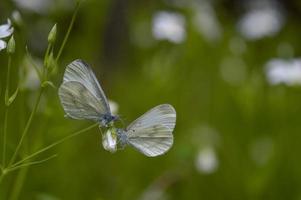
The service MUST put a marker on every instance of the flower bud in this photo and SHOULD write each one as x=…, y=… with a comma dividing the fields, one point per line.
x=52, y=34
x=11, y=46
x=109, y=140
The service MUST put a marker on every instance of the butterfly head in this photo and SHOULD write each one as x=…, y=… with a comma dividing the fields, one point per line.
x=108, y=119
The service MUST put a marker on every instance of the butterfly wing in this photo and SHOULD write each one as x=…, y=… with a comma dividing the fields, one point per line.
x=81, y=72
x=151, y=133
x=79, y=103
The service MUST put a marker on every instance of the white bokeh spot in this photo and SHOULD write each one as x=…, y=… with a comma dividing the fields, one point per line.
x=169, y=26
x=206, y=161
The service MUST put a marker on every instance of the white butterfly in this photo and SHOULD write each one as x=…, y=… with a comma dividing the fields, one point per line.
x=151, y=134
x=83, y=98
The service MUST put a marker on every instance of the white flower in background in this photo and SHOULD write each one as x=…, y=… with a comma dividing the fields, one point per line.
x=206, y=21
x=43, y=6
x=38, y=6
x=262, y=22
x=206, y=161
x=114, y=107
x=284, y=71
x=5, y=31
x=16, y=18
x=169, y=26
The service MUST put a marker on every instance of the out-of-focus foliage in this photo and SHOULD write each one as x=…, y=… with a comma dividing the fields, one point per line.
x=231, y=69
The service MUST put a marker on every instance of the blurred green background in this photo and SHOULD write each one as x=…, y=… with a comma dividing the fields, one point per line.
x=232, y=70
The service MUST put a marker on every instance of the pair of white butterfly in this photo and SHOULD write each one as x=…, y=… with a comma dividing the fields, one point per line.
x=83, y=98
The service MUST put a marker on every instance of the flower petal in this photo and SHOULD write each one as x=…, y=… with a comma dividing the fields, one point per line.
x=2, y=45
x=5, y=32
x=6, y=29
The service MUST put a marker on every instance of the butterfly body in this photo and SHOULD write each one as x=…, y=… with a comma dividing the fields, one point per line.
x=108, y=120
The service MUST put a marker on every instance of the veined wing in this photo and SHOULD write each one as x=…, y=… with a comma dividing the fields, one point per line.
x=151, y=141
x=164, y=115
x=81, y=72
x=151, y=133
x=79, y=103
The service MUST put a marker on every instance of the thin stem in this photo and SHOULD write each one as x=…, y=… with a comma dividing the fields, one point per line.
x=68, y=32
x=26, y=164
x=54, y=144
x=6, y=111
x=4, y=136
x=44, y=73
x=7, y=79
x=47, y=51
x=3, y=173
x=27, y=126
x=19, y=183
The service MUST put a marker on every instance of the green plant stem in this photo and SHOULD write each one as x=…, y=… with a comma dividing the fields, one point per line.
x=7, y=79
x=44, y=75
x=31, y=115
x=54, y=144
x=19, y=183
x=6, y=111
x=3, y=173
x=27, y=164
x=68, y=32
x=47, y=52
x=24, y=168
x=4, y=136
x=33, y=112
